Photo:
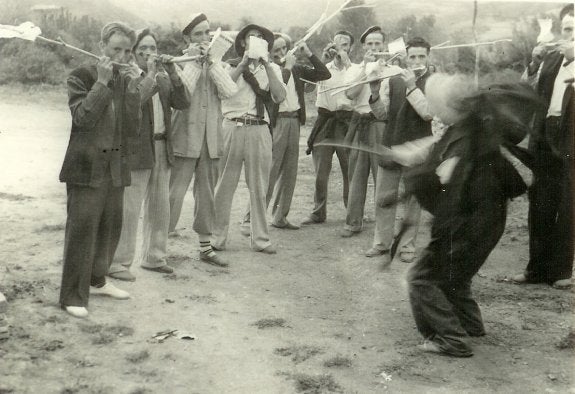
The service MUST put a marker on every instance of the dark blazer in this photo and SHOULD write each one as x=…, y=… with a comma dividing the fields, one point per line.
x=104, y=120
x=173, y=94
x=318, y=72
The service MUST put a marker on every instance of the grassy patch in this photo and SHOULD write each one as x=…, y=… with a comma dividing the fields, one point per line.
x=14, y=197
x=298, y=354
x=104, y=335
x=315, y=384
x=138, y=357
x=271, y=323
x=568, y=342
x=337, y=362
x=51, y=228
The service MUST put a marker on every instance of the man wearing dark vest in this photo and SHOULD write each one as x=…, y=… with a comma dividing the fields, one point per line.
x=286, y=119
x=551, y=146
x=333, y=116
x=104, y=100
x=404, y=106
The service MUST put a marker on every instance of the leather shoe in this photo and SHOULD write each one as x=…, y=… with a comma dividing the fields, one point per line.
x=407, y=257
x=213, y=259
x=374, y=252
x=268, y=250
x=521, y=278
x=110, y=290
x=287, y=226
x=245, y=230
x=164, y=269
x=562, y=284
x=125, y=276
x=309, y=220
x=77, y=311
x=345, y=233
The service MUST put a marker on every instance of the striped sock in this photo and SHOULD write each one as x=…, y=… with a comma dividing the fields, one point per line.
x=206, y=248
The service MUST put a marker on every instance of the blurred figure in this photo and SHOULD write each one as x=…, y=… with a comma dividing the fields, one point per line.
x=198, y=138
x=551, y=146
x=465, y=181
x=286, y=119
x=105, y=107
x=333, y=117
x=150, y=163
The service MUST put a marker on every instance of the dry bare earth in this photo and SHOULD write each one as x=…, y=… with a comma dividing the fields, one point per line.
x=318, y=317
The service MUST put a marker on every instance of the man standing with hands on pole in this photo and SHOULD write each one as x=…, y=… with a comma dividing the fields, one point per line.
x=198, y=139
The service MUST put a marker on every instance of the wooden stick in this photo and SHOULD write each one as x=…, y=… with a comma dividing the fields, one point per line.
x=440, y=45
x=183, y=59
x=310, y=82
x=473, y=44
x=63, y=44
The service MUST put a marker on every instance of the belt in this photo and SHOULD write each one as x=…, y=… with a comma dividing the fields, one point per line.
x=249, y=121
x=291, y=114
x=160, y=136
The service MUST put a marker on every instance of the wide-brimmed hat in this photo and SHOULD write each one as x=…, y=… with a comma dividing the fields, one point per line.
x=268, y=36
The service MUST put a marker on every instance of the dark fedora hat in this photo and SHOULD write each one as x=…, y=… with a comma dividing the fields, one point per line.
x=268, y=36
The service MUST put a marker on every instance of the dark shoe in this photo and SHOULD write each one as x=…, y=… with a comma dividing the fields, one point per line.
x=287, y=226
x=164, y=269
x=386, y=260
x=212, y=259
x=245, y=230
x=268, y=250
x=125, y=276
x=345, y=233
x=374, y=252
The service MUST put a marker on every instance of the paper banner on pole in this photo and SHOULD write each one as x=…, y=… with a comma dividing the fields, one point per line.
x=26, y=31
x=219, y=45
x=258, y=48
x=545, y=34
x=396, y=46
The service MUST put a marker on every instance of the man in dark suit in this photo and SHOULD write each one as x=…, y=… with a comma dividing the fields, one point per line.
x=551, y=146
x=105, y=104
x=285, y=121
x=150, y=163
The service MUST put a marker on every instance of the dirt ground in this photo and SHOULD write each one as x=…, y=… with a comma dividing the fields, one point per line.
x=318, y=317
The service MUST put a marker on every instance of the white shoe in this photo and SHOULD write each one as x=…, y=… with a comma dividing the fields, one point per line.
x=110, y=290
x=77, y=311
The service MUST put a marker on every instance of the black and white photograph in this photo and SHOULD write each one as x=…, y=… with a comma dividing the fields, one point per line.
x=285, y=196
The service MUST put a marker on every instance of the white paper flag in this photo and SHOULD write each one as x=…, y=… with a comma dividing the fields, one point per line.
x=219, y=45
x=396, y=46
x=258, y=48
x=25, y=31
x=545, y=34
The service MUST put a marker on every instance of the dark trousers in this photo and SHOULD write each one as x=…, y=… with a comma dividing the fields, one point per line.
x=551, y=226
x=440, y=281
x=93, y=230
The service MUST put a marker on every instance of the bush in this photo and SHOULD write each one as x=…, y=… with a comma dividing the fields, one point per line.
x=27, y=63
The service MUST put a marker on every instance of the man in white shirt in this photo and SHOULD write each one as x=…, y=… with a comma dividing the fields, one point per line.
x=551, y=234
x=247, y=138
x=334, y=114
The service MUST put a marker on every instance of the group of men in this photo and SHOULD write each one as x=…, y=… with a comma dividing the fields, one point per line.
x=141, y=132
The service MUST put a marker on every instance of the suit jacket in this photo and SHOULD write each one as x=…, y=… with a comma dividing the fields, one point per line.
x=207, y=86
x=104, y=121
x=172, y=94
x=318, y=72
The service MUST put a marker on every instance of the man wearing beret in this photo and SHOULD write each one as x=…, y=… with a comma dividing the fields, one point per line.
x=364, y=129
x=247, y=138
x=401, y=101
x=333, y=116
x=198, y=140
x=286, y=119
